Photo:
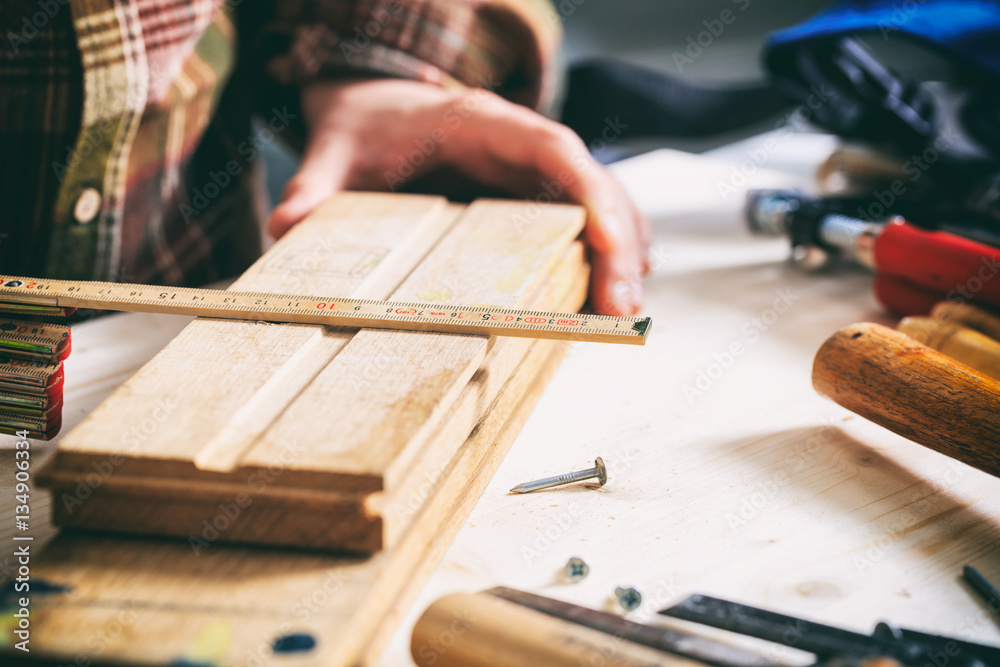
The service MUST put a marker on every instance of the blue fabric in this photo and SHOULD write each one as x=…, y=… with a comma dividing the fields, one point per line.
x=967, y=30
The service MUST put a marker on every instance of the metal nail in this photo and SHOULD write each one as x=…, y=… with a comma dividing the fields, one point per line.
x=598, y=472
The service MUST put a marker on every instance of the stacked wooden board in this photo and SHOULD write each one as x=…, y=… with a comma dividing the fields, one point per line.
x=305, y=436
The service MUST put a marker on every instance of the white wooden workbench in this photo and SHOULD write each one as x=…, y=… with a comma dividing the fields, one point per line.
x=728, y=474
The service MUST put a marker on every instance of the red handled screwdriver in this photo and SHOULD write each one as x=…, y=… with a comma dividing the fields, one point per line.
x=939, y=262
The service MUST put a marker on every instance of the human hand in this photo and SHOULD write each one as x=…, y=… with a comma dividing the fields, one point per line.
x=362, y=132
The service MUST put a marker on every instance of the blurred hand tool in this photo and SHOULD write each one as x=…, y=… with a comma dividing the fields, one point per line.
x=966, y=314
x=901, y=297
x=910, y=389
x=504, y=626
x=938, y=261
x=887, y=645
x=483, y=630
x=986, y=589
x=960, y=343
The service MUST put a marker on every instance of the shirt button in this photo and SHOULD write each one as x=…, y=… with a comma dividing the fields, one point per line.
x=87, y=205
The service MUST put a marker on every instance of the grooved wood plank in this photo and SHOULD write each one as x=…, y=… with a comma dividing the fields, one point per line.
x=359, y=522
x=192, y=393
x=392, y=388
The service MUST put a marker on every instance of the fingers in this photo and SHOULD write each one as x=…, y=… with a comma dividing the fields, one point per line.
x=645, y=231
x=617, y=267
x=503, y=140
x=382, y=124
x=321, y=174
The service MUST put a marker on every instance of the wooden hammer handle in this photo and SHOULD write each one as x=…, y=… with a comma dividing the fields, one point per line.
x=910, y=389
x=482, y=630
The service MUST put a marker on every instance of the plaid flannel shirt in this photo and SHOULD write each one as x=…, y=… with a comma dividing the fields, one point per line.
x=126, y=145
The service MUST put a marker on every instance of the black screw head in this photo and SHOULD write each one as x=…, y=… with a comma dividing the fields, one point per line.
x=576, y=569
x=629, y=598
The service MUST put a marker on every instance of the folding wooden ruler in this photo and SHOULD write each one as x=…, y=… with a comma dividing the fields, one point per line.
x=56, y=297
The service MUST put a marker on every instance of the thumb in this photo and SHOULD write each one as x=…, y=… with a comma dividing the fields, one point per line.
x=320, y=175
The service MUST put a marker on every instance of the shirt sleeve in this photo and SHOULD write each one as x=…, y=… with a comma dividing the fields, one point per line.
x=508, y=46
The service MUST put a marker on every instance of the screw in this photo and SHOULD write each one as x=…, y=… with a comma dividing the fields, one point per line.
x=576, y=569
x=599, y=471
x=629, y=598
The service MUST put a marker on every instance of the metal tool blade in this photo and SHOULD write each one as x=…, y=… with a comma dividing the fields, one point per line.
x=827, y=642
x=703, y=650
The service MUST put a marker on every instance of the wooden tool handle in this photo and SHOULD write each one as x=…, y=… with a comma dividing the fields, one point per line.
x=966, y=314
x=910, y=389
x=937, y=260
x=481, y=630
x=960, y=343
